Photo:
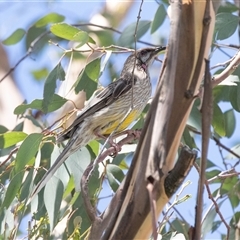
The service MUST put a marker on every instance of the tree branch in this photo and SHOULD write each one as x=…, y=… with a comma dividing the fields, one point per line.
x=206, y=131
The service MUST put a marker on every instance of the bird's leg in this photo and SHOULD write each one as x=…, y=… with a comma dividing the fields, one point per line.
x=110, y=140
x=136, y=133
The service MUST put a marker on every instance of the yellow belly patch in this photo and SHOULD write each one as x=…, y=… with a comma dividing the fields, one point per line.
x=115, y=126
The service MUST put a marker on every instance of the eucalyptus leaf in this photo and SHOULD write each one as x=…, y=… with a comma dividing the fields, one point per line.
x=230, y=122
x=53, y=194
x=55, y=103
x=11, y=138
x=12, y=190
x=87, y=79
x=71, y=33
x=208, y=222
x=235, y=97
x=15, y=37
x=115, y=176
x=218, y=121
x=235, y=149
x=27, y=150
x=226, y=25
x=49, y=18
x=127, y=36
x=159, y=18
x=50, y=85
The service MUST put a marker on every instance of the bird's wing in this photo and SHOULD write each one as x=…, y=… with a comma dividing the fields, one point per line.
x=104, y=98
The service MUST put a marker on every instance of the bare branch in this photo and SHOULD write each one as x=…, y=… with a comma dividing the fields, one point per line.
x=29, y=51
x=206, y=130
x=227, y=71
x=9, y=156
x=210, y=196
x=225, y=174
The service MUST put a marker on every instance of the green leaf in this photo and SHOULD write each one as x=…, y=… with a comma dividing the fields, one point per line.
x=227, y=7
x=33, y=120
x=27, y=150
x=93, y=69
x=210, y=164
x=218, y=122
x=234, y=188
x=49, y=18
x=56, y=102
x=211, y=174
x=93, y=148
x=235, y=97
x=64, y=30
x=194, y=119
x=188, y=139
x=11, y=138
x=82, y=38
x=221, y=93
x=69, y=32
x=51, y=84
x=115, y=176
x=40, y=73
x=235, y=149
x=33, y=33
x=230, y=122
x=3, y=129
x=159, y=18
x=228, y=184
x=19, y=127
x=46, y=151
x=225, y=26
x=53, y=194
x=180, y=226
x=26, y=188
x=87, y=79
x=79, y=218
x=76, y=167
x=208, y=223
x=215, y=226
x=12, y=190
x=127, y=36
x=15, y=37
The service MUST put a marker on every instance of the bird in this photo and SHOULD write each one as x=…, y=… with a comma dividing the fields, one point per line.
x=111, y=109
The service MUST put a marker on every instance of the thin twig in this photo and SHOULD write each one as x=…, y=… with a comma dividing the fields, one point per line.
x=206, y=130
x=9, y=156
x=214, y=202
x=223, y=175
x=227, y=149
x=233, y=46
x=135, y=48
x=227, y=71
x=217, y=209
x=222, y=64
x=29, y=51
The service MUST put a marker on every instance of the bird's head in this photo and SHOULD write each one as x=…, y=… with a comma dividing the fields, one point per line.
x=144, y=58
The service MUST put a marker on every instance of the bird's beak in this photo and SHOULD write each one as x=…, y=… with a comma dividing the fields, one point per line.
x=160, y=48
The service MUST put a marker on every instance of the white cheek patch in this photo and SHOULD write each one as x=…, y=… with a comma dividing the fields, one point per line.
x=144, y=58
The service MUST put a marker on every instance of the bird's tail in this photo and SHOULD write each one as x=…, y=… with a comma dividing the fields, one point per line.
x=67, y=151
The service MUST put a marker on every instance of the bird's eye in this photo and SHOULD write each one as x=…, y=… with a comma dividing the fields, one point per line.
x=143, y=52
x=144, y=55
